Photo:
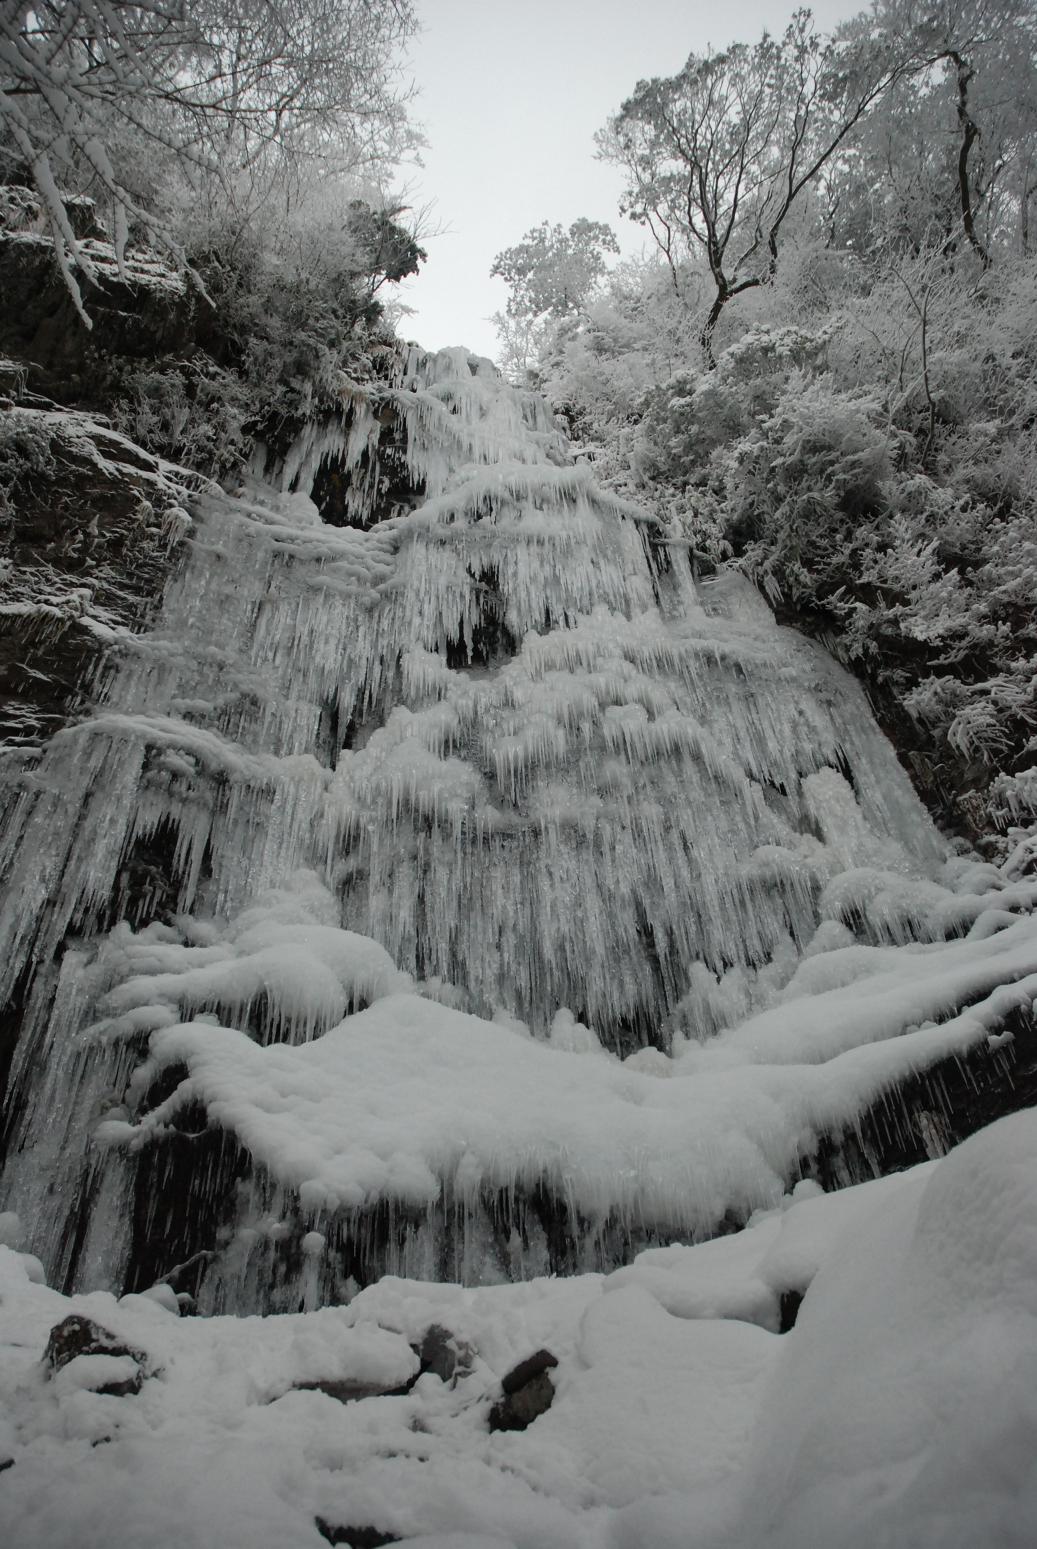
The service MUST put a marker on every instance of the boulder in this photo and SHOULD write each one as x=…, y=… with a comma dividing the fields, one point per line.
x=527, y=1392
x=444, y=1355
x=354, y=1537
x=76, y=1336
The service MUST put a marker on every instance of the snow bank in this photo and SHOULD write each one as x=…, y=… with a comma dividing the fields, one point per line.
x=283, y=954
x=898, y=1410
x=903, y=1411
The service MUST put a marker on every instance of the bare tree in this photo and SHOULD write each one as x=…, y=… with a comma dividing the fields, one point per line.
x=718, y=155
x=947, y=155
x=984, y=52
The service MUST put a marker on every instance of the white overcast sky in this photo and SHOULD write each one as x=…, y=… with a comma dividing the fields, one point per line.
x=511, y=93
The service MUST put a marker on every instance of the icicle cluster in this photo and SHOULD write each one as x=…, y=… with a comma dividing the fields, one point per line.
x=524, y=752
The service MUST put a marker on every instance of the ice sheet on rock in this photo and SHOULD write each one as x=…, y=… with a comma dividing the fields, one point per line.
x=411, y=1100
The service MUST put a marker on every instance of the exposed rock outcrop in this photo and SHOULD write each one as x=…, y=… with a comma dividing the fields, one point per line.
x=528, y=1393
x=104, y=1362
x=89, y=526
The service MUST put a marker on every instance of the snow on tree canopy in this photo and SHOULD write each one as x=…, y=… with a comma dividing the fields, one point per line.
x=458, y=887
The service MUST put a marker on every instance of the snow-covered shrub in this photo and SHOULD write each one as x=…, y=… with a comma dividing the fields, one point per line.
x=287, y=317
x=865, y=450
x=801, y=483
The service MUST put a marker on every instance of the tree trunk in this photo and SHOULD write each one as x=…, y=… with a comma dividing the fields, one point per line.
x=709, y=327
x=969, y=135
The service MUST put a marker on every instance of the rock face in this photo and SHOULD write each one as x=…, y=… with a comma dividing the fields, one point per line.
x=936, y=1111
x=89, y=528
x=138, y=309
x=89, y=522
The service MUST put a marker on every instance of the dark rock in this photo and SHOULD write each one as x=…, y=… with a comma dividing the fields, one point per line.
x=354, y=1537
x=140, y=313
x=6, y=1463
x=444, y=1355
x=928, y=1114
x=523, y=1374
x=528, y=1393
x=791, y=1301
x=75, y=1336
x=439, y=1352
x=124, y=1389
x=518, y=1410
x=85, y=546
x=83, y=217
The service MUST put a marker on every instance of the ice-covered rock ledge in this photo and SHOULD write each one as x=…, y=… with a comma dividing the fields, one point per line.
x=898, y=1410
x=350, y=1091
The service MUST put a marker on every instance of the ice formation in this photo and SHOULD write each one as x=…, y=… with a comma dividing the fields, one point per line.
x=456, y=886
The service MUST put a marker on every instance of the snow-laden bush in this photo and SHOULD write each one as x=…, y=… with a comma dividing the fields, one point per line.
x=865, y=450
x=289, y=316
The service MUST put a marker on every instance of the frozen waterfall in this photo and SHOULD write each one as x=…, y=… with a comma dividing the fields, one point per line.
x=395, y=906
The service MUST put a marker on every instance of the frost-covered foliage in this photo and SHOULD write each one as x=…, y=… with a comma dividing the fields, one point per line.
x=871, y=466
x=143, y=104
x=551, y=274
x=291, y=317
x=292, y=311
x=857, y=434
x=212, y=184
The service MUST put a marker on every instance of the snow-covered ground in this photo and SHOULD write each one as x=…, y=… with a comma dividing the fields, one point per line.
x=898, y=1411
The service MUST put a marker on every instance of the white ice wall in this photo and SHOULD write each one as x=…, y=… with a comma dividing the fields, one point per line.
x=627, y=785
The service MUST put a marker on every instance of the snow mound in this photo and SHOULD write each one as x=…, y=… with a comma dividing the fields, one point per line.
x=903, y=1411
